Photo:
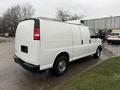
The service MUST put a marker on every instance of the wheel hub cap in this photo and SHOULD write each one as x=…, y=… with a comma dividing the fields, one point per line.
x=62, y=66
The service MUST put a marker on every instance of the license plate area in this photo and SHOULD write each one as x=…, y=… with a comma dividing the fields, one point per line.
x=24, y=49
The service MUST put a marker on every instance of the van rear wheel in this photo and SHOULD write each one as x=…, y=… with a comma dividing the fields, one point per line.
x=98, y=52
x=60, y=65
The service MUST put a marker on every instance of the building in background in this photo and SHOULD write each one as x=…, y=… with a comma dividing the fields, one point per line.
x=107, y=23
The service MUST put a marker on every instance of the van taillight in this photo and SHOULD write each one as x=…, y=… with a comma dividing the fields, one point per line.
x=36, y=34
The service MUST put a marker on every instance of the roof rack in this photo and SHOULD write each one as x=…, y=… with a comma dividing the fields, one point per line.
x=53, y=19
x=74, y=22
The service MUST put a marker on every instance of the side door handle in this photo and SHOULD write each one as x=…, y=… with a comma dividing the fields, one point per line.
x=90, y=41
x=82, y=42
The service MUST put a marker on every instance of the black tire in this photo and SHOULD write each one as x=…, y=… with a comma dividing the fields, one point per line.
x=60, y=66
x=98, y=52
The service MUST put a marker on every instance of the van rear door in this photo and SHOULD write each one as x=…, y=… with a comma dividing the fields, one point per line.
x=27, y=40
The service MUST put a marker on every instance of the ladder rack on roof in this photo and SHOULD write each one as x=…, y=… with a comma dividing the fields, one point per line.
x=75, y=22
x=53, y=19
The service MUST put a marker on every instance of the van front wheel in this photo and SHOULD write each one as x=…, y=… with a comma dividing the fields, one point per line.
x=98, y=52
x=60, y=65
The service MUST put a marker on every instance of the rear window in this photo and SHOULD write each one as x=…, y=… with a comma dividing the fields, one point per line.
x=114, y=34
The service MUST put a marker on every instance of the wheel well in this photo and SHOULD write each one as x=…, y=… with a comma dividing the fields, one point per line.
x=62, y=54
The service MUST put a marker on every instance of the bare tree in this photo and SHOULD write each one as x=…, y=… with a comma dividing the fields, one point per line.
x=66, y=15
x=6, y=22
x=62, y=14
x=76, y=17
x=14, y=15
x=27, y=11
x=1, y=29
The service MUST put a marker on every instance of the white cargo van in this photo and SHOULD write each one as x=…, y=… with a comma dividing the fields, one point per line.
x=42, y=44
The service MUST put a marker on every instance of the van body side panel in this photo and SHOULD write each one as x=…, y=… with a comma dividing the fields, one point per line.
x=77, y=48
x=24, y=40
x=85, y=37
x=56, y=37
x=81, y=44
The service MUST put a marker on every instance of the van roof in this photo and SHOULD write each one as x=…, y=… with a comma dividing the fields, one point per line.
x=53, y=19
x=74, y=22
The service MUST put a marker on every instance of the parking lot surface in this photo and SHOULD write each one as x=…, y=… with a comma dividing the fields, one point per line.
x=114, y=48
x=14, y=77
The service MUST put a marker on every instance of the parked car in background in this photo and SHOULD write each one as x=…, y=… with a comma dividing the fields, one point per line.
x=42, y=44
x=6, y=34
x=113, y=37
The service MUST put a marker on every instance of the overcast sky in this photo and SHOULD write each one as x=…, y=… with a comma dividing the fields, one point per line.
x=90, y=8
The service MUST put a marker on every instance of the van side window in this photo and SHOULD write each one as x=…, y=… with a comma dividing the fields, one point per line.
x=92, y=33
